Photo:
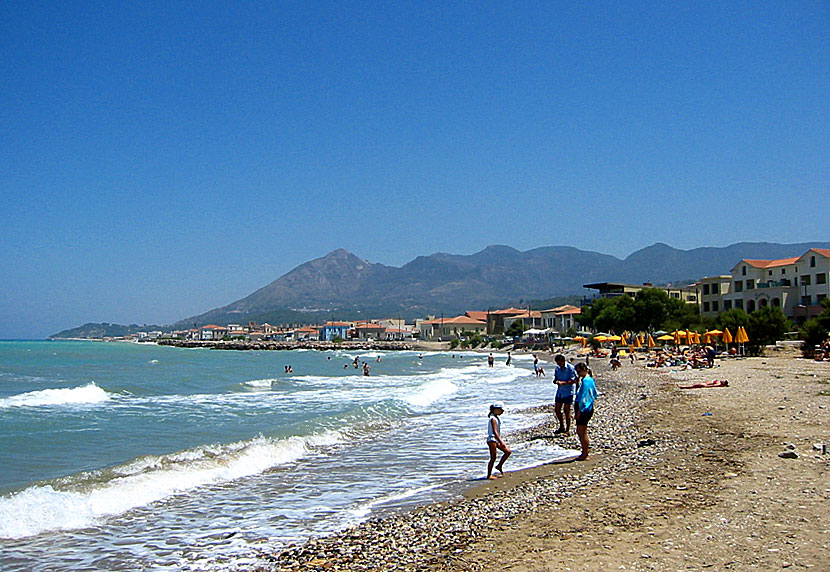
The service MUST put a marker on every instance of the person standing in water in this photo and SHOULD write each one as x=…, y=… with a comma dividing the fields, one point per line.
x=584, y=406
x=564, y=376
x=509, y=359
x=495, y=442
x=491, y=359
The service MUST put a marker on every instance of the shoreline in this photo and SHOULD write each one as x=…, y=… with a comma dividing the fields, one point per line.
x=428, y=535
x=677, y=479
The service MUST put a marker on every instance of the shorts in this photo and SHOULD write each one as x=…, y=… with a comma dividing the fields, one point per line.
x=583, y=417
x=567, y=400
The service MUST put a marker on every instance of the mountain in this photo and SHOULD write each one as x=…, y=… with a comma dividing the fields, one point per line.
x=99, y=331
x=344, y=285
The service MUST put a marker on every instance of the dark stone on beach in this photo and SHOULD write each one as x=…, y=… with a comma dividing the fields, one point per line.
x=646, y=443
x=788, y=455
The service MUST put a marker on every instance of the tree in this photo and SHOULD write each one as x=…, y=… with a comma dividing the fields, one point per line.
x=516, y=329
x=733, y=319
x=766, y=326
x=815, y=330
x=651, y=305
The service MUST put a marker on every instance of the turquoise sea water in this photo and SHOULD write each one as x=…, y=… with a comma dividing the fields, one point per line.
x=119, y=456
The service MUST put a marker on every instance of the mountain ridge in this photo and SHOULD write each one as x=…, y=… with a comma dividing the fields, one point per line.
x=342, y=283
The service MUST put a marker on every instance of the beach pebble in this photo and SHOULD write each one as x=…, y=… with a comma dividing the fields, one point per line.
x=788, y=455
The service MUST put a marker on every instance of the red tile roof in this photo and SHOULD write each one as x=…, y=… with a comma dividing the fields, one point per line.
x=510, y=311
x=457, y=320
x=338, y=324
x=476, y=314
x=822, y=251
x=772, y=263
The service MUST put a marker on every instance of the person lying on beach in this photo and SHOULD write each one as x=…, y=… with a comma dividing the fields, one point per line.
x=495, y=442
x=586, y=395
x=702, y=384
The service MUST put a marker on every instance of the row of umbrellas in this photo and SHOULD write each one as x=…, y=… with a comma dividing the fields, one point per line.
x=677, y=337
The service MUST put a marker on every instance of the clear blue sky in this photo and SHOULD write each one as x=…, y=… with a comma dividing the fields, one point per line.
x=161, y=159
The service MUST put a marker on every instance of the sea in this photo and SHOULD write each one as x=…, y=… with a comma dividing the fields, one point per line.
x=125, y=456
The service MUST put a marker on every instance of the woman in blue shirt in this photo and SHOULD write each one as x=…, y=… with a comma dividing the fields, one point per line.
x=584, y=406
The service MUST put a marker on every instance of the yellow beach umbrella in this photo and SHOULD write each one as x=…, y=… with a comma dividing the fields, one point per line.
x=714, y=333
x=650, y=343
x=727, y=336
x=697, y=337
x=741, y=337
x=613, y=338
x=675, y=338
x=623, y=339
x=666, y=338
x=637, y=343
x=601, y=338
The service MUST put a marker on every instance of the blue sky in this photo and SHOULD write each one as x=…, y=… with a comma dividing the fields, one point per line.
x=161, y=159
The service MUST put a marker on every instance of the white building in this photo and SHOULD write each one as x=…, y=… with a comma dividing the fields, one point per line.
x=796, y=285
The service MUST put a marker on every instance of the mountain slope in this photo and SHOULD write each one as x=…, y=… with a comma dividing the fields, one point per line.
x=341, y=283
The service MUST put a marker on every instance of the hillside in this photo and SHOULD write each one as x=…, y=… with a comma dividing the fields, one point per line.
x=342, y=284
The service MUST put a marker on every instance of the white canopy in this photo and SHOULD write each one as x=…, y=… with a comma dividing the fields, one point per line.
x=535, y=332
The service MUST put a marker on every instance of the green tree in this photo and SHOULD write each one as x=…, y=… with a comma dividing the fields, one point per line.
x=815, y=330
x=733, y=319
x=767, y=325
x=652, y=309
x=516, y=329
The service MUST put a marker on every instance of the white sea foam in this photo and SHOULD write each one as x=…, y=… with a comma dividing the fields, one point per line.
x=431, y=392
x=147, y=480
x=363, y=509
x=260, y=382
x=85, y=394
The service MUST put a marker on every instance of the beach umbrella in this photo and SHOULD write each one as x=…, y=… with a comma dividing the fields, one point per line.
x=623, y=339
x=697, y=337
x=650, y=343
x=637, y=343
x=613, y=338
x=665, y=338
x=714, y=333
x=741, y=337
x=675, y=338
x=727, y=336
x=601, y=338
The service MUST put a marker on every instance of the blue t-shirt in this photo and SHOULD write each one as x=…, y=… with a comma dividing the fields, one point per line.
x=587, y=394
x=567, y=373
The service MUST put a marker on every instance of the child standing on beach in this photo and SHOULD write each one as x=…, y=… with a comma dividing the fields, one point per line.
x=584, y=406
x=494, y=440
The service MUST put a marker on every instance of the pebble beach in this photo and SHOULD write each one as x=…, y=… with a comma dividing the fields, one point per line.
x=728, y=478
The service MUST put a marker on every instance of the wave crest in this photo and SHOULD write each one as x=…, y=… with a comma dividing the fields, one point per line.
x=85, y=394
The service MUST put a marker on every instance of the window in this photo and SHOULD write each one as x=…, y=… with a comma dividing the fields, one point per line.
x=727, y=304
x=739, y=304
x=739, y=286
x=715, y=306
x=705, y=289
x=743, y=270
x=805, y=300
x=821, y=278
x=750, y=284
x=783, y=271
x=812, y=262
x=770, y=273
x=715, y=288
x=706, y=306
x=805, y=280
x=820, y=297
